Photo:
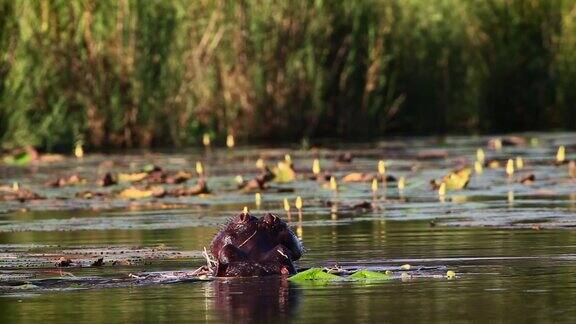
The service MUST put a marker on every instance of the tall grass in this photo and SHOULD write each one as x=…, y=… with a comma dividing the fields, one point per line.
x=129, y=73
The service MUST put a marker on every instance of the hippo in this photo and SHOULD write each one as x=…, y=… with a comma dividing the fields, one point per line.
x=249, y=246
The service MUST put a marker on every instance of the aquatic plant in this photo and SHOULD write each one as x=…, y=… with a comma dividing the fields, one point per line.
x=142, y=73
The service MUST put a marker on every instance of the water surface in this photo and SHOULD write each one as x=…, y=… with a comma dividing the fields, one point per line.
x=515, y=259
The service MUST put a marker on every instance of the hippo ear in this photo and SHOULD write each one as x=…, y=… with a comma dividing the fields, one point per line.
x=244, y=217
x=271, y=219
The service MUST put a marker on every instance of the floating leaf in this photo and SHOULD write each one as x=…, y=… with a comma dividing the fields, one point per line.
x=369, y=275
x=201, y=188
x=457, y=180
x=357, y=177
x=314, y=274
x=493, y=164
x=20, y=159
x=132, y=177
x=151, y=168
x=283, y=172
x=134, y=193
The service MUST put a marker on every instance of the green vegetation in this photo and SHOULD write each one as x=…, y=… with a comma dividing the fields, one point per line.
x=127, y=73
x=314, y=274
x=318, y=274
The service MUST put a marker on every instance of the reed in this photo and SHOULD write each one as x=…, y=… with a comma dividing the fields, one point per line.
x=129, y=73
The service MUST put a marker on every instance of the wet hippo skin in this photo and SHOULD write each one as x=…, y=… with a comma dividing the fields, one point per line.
x=249, y=246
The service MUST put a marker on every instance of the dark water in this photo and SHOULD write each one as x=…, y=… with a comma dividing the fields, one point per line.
x=503, y=275
x=515, y=259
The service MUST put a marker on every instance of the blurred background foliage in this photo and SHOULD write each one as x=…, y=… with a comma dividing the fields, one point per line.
x=122, y=73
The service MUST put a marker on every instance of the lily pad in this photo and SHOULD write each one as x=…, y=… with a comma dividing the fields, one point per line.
x=369, y=275
x=21, y=159
x=134, y=193
x=283, y=172
x=458, y=179
x=358, y=177
x=314, y=274
x=132, y=177
x=455, y=180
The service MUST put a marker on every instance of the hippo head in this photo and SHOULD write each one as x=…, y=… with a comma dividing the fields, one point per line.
x=248, y=246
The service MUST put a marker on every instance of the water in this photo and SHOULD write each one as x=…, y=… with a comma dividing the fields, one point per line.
x=515, y=259
x=503, y=275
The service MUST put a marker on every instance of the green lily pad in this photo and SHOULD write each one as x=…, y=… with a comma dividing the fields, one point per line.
x=314, y=274
x=21, y=159
x=369, y=275
x=148, y=168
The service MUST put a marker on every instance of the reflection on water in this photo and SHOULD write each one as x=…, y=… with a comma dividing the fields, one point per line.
x=251, y=299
